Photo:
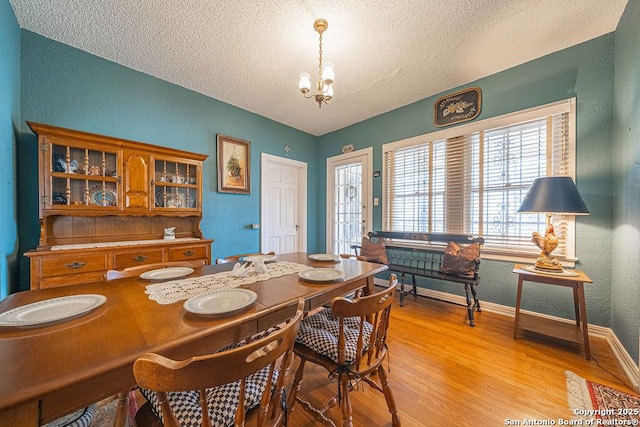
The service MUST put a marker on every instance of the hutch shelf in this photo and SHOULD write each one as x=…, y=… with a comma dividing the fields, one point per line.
x=105, y=202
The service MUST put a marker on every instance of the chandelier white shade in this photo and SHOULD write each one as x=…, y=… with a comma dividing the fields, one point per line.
x=326, y=73
x=305, y=82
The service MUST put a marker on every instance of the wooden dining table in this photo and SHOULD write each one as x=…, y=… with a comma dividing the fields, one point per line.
x=50, y=370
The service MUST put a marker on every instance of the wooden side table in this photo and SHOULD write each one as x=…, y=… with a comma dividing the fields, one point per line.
x=577, y=333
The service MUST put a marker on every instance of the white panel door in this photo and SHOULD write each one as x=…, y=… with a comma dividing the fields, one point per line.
x=349, y=216
x=283, y=205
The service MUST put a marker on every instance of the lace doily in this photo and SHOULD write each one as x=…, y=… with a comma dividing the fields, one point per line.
x=182, y=289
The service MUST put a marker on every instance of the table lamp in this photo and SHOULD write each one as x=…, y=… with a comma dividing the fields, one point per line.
x=551, y=195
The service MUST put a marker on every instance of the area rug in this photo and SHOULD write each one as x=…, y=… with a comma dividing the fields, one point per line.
x=599, y=404
x=106, y=412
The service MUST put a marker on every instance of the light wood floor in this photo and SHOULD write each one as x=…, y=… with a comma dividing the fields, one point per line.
x=445, y=373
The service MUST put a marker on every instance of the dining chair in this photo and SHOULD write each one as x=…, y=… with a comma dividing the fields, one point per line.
x=139, y=269
x=236, y=258
x=132, y=272
x=349, y=341
x=352, y=256
x=180, y=392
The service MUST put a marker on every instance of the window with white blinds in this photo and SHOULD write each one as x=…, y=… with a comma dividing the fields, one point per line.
x=472, y=179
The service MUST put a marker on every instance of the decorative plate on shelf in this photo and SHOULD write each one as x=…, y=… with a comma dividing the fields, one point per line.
x=100, y=197
x=173, y=200
x=51, y=310
x=160, y=198
x=321, y=275
x=222, y=301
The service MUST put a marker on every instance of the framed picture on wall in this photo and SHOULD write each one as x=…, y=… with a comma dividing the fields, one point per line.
x=234, y=165
x=457, y=107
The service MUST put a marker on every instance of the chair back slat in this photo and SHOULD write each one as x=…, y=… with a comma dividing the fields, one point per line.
x=162, y=375
x=205, y=408
x=240, y=411
x=341, y=341
x=168, y=415
x=265, y=398
x=360, y=346
x=373, y=348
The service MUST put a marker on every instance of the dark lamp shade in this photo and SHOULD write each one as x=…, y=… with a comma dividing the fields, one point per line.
x=555, y=194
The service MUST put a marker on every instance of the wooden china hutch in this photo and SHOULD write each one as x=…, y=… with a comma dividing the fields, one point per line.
x=104, y=203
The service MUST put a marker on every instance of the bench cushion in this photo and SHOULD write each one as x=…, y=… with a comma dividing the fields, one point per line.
x=460, y=261
x=374, y=251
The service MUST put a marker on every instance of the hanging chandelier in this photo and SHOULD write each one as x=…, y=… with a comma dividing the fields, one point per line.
x=325, y=73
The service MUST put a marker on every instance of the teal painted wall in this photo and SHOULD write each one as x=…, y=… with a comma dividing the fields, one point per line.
x=625, y=286
x=584, y=71
x=9, y=121
x=67, y=87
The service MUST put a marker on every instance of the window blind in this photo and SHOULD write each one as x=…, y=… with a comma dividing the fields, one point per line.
x=474, y=181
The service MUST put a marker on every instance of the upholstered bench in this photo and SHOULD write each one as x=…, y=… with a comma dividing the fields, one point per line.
x=447, y=257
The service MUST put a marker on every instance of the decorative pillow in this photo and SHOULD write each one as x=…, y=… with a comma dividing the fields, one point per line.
x=374, y=251
x=459, y=261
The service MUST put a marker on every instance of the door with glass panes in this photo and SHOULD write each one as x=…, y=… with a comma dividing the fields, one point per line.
x=349, y=213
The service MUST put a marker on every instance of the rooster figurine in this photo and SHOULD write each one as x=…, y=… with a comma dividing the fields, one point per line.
x=547, y=244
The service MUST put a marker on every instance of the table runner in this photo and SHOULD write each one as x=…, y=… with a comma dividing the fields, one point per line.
x=123, y=243
x=182, y=289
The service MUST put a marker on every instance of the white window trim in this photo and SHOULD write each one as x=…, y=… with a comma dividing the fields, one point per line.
x=567, y=105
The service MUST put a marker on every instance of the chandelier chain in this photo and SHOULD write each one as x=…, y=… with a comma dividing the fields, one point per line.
x=320, y=62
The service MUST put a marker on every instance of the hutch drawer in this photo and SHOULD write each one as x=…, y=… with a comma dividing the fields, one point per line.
x=73, y=265
x=189, y=252
x=138, y=257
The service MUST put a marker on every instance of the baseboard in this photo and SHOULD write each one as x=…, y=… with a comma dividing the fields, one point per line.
x=630, y=368
x=628, y=365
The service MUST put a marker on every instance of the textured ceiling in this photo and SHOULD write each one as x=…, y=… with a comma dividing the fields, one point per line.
x=386, y=53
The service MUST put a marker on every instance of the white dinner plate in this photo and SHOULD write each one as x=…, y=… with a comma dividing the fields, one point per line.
x=222, y=301
x=321, y=274
x=166, y=273
x=51, y=310
x=263, y=258
x=325, y=257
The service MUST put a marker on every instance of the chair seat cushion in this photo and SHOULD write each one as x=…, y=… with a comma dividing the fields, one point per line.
x=80, y=418
x=222, y=401
x=320, y=333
